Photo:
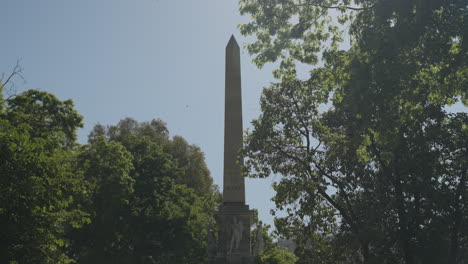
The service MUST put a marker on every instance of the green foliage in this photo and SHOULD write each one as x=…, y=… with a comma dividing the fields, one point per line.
x=114, y=200
x=106, y=167
x=189, y=158
x=167, y=220
x=48, y=117
x=271, y=253
x=37, y=179
x=140, y=213
x=275, y=255
x=376, y=177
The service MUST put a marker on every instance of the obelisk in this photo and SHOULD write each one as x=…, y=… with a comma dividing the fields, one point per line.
x=233, y=187
x=234, y=218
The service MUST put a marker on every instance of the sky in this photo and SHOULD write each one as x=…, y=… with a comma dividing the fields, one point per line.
x=145, y=59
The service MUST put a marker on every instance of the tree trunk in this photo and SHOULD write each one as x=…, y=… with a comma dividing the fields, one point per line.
x=454, y=246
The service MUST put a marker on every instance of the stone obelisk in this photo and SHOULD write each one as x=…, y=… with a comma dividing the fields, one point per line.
x=234, y=218
x=233, y=188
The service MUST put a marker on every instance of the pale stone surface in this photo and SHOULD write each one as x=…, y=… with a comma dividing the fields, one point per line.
x=233, y=188
x=234, y=223
x=287, y=244
x=259, y=244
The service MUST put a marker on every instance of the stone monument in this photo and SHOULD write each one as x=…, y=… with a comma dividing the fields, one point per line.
x=234, y=218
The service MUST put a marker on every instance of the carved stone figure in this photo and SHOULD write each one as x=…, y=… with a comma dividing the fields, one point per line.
x=259, y=244
x=237, y=228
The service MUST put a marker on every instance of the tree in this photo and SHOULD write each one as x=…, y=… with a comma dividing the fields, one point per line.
x=38, y=186
x=7, y=85
x=188, y=157
x=275, y=255
x=272, y=253
x=129, y=196
x=377, y=173
x=106, y=168
x=139, y=212
x=167, y=220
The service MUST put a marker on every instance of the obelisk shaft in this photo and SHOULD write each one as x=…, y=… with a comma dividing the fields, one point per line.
x=233, y=188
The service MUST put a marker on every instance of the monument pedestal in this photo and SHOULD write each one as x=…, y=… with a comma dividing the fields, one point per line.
x=233, y=247
x=232, y=260
x=234, y=222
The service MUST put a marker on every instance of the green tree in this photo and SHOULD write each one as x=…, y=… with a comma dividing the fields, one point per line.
x=191, y=159
x=377, y=177
x=37, y=183
x=140, y=213
x=272, y=253
x=106, y=167
x=167, y=221
x=275, y=255
x=129, y=196
x=195, y=174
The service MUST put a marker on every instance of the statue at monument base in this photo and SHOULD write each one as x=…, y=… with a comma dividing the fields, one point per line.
x=233, y=244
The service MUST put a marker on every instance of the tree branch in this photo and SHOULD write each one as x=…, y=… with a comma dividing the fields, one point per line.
x=334, y=7
x=17, y=71
x=459, y=196
x=322, y=192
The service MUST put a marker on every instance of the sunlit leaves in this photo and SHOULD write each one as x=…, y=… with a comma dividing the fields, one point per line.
x=38, y=177
x=369, y=128
x=292, y=28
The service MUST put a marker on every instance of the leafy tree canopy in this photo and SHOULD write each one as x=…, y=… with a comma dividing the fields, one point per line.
x=372, y=161
x=143, y=211
x=131, y=195
x=189, y=158
x=271, y=253
x=37, y=180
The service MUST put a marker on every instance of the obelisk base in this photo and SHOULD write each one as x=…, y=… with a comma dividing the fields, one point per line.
x=232, y=260
x=233, y=247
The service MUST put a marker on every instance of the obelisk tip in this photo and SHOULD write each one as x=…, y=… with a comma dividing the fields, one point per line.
x=232, y=43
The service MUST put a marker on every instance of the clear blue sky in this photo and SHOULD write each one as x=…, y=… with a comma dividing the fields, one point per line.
x=138, y=58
